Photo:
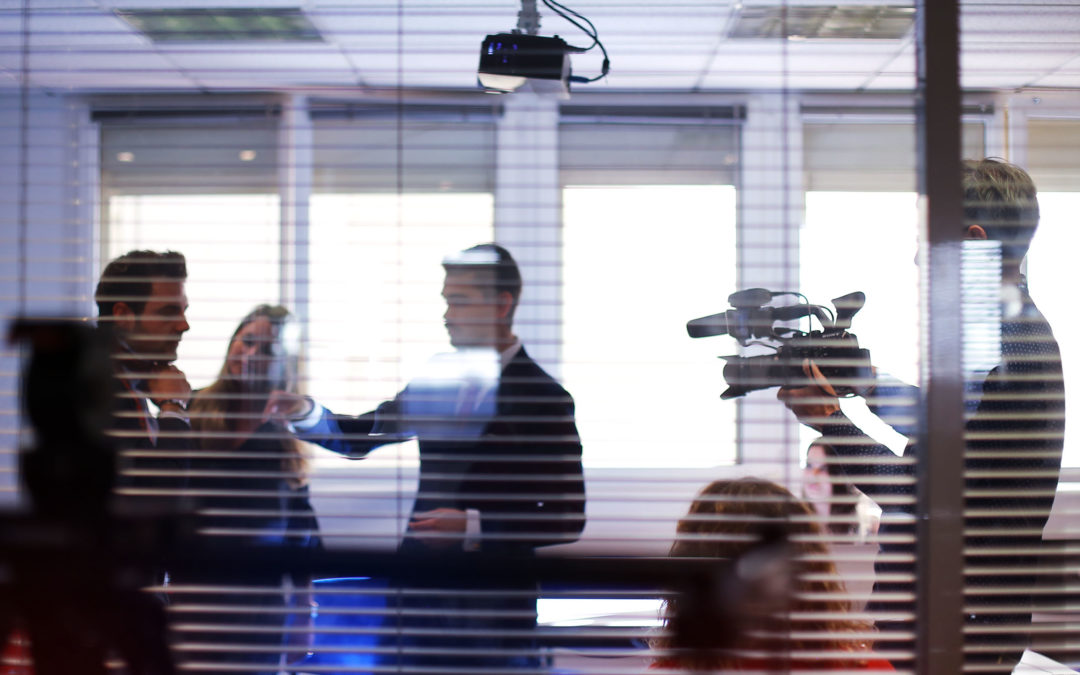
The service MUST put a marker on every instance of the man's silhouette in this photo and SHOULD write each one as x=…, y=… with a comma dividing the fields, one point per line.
x=141, y=298
x=500, y=458
x=1014, y=433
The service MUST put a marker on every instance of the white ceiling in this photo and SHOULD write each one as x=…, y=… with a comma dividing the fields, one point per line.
x=673, y=45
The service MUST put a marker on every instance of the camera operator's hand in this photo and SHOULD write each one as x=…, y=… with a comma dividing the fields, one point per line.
x=814, y=403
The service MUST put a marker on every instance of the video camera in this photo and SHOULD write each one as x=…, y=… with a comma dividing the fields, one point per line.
x=835, y=351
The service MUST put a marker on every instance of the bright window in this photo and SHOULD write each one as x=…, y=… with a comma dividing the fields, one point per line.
x=639, y=261
x=376, y=282
x=1052, y=252
x=867, y=241
x=231, y=242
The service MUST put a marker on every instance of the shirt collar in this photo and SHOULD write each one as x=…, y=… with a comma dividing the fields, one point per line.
x=507, y=355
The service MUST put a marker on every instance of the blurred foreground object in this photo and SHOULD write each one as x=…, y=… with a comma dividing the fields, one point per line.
x=69, y=587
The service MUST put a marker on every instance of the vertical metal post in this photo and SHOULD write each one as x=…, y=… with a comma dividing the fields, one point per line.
x=940, y=528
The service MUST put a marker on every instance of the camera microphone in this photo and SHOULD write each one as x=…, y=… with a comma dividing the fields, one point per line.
x=708, y=326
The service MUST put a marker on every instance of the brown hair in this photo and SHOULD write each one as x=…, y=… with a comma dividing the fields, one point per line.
x=724, y=521
x=130, y=278
x=215, y=408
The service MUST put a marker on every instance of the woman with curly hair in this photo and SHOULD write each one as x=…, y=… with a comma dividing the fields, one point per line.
x=814, y=631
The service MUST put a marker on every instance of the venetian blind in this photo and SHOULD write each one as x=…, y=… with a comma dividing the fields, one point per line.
x=404, y=452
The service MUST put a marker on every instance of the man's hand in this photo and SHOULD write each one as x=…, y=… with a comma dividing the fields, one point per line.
x=285, y=406
x=439, y=528
x=814, y=403
x=167, y=385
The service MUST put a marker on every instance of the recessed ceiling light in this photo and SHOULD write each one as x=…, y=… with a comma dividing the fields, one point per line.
x=247, y=155
x=125, y=156
x=222, y=24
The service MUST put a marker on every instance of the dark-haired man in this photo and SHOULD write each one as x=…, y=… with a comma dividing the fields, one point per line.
x=141, y=298
x=1014, y=431
x=500, y=457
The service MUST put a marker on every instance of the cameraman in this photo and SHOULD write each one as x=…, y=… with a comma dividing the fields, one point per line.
x=1014, y=435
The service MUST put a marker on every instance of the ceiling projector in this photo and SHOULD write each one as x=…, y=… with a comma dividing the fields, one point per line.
x=510, y=60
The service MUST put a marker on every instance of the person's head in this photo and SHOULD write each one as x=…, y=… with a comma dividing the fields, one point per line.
x=262, y=353
x=141, y=294
x=1000, y=204
x=726, y=520
x=482, y=289
x=725, y=513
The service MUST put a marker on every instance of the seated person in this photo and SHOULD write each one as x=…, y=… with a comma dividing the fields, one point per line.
x=815, y=630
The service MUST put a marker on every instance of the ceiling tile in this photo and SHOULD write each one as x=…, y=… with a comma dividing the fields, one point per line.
x=1067, y=76
x=1045, y=23
x=988, y=66
x=433, y=43
x=795, y=64
x=82, y=28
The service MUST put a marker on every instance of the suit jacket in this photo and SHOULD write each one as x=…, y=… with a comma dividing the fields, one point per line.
x=150, y=449
x=518, y=462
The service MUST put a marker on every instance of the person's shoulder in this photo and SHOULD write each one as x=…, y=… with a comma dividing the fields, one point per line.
x=524, y=371
x=1028, y=334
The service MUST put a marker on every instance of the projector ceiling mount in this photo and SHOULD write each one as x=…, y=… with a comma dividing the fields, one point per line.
x=509, y=61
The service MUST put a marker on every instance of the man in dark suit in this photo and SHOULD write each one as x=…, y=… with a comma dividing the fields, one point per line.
x=500, y=456
x=1014, y=433
x=141, y=300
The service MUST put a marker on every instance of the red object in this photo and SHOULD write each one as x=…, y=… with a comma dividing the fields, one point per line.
x=16, y=659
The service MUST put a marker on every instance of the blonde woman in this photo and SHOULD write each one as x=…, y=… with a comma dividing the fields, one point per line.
x=260, y=461
x=250, y=479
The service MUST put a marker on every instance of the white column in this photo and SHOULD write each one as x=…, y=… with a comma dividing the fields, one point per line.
x=528, y=218
x=295, y=169
x=770, y=216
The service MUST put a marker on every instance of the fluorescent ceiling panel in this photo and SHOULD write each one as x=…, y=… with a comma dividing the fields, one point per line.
x=222, y=24
x=824, y=22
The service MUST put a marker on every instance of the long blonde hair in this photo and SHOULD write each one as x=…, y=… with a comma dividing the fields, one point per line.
x=215, y=408
x=725, y=521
